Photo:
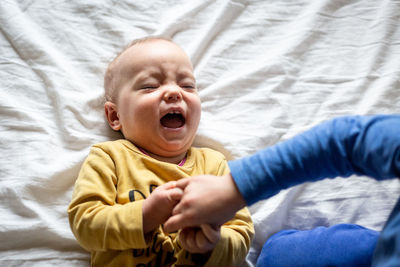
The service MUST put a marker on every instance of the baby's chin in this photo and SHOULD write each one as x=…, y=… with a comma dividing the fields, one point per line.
x=175, y=146
x=174, y=151
x=168, y=153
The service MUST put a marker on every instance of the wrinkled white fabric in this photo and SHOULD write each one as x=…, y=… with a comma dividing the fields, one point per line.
x=266, y=70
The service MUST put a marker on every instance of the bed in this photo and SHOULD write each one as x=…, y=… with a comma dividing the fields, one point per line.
x=266, y=70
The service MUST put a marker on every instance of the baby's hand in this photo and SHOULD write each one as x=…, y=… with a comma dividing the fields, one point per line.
x=201, y=239
x=157, y=207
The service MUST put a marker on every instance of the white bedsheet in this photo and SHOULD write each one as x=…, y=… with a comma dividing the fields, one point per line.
x=266, y=70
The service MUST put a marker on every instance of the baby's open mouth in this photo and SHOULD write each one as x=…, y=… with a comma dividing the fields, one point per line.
x=172, y=120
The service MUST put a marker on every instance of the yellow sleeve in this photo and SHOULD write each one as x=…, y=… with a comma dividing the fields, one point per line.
x=97, y=221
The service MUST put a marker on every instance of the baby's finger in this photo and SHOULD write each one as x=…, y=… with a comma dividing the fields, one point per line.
x=175, y=194
x=186, y=239
x=202, y=242
x=182, y=236
x=182, y=183
x=213, y=235
x=191, y=239
x=169, y=185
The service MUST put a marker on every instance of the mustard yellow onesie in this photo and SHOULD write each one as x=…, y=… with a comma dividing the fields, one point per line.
x=105, y=213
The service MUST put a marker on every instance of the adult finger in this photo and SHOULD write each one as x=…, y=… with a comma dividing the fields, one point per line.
x=175, y=222
x=178, y=209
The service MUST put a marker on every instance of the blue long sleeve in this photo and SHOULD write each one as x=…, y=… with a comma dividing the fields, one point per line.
x=362, y=145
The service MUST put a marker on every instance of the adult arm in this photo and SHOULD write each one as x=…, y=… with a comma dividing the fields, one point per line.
x=363, y=145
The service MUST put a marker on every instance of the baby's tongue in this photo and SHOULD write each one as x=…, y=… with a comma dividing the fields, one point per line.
x=172, y=121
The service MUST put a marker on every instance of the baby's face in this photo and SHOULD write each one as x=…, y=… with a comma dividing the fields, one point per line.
x=158, y=105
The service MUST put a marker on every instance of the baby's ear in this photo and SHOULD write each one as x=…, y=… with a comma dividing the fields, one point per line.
x=111, y=112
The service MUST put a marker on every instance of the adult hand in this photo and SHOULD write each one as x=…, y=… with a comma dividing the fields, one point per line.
x=206, y=199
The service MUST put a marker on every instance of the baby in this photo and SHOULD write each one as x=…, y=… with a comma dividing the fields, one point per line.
x=126, y=188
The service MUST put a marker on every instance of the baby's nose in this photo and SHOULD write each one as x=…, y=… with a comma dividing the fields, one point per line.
x=173, y=93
